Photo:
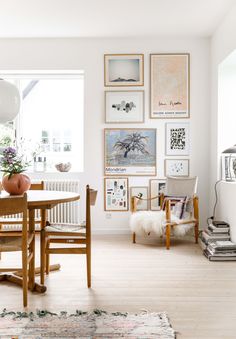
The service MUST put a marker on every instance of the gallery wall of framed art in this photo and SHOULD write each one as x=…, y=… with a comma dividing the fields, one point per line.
x=134, y=153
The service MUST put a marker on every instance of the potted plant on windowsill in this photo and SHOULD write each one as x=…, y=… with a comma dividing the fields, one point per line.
x=13, y=165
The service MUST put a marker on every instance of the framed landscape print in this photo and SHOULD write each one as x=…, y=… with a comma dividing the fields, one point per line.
x=130, y=151
x=116, y=194
x=142, y=192
x=177, y=167
x=157, y=186
x=124, y=106
x=177, y=138
x=169, y=85
x=123, y=70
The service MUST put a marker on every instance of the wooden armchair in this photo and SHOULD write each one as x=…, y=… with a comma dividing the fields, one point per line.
x=175, y=187
x=77, y=235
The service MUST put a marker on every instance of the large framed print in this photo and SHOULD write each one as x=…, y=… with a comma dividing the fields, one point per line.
x=130, y=151
x=170, y=88
x=141, y=192
x=124, y=106
x=157, y=186
x=177, y=139
x=177, y=167
x=116, y=194
x=123, y=70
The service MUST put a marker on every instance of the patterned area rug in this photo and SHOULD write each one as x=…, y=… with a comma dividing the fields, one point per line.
x=94, y=325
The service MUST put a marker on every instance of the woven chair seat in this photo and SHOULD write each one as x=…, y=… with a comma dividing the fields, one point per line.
x=10, y=244
x=75, y=228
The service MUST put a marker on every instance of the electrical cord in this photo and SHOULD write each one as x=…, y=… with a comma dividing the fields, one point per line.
x=216, y=201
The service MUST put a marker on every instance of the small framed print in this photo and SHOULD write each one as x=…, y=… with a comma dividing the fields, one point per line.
x=177, y=167
x=157, y=186
x=124, y=106
x=123, y=70
x=170, y=85
x=142, y=192
x=116, y=194
x=177, y=138
x=130, y=151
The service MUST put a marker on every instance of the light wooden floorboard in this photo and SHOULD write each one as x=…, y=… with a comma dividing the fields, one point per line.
x=199, y=296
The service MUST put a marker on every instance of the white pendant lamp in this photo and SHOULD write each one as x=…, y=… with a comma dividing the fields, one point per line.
x=9, y=101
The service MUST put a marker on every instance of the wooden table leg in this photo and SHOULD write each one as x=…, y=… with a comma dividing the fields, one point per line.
x=32, y=249
x=42, y=246
x=15, y=279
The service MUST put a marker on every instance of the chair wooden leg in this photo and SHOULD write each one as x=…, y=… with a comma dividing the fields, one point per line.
x=25, y=276
x=196, y=233
x=167, y=236
x=42, y=246
x=88, y=260
x=47, y=256
x=0, y=252
x=134, y=238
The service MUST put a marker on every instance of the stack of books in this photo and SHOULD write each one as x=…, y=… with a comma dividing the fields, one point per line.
x=221, y=251
x=216, y=244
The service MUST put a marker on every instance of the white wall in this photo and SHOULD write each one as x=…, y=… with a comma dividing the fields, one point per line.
x=87, y=54
x=222, y=44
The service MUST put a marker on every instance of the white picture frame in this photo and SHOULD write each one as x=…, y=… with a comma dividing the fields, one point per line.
x=177, y=167
x=124, y=107
x=156, y=187
x=116, y=194
x=142, y=205
x=177, y=138
x=123, y=70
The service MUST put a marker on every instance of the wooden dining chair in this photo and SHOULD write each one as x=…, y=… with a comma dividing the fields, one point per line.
x=15, y=242
x=76, y=234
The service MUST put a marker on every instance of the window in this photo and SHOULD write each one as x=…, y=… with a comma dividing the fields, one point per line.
x=51, y=118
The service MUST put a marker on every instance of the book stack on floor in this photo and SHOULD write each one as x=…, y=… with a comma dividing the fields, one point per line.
x=215, y=241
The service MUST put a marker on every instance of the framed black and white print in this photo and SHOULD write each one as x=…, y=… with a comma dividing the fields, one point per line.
x=177, y=167
x=157, y=186
x=124, y=106
x=142, y=192
x=177, y=139
x=116, y=194
x=123, y=70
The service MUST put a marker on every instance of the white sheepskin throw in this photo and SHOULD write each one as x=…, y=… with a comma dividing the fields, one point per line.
x=144, y=222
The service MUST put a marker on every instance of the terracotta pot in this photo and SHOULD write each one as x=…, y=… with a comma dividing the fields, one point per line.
x=17, y=184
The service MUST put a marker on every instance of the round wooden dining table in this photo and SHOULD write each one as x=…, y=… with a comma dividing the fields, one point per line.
x=42, y=200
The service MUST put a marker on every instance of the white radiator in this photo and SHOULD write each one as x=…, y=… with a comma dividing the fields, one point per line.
x=62, y=213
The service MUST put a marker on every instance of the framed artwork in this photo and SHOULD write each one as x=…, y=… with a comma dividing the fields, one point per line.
x=142, y=192
x=177, y=138
x=116, y=194
x=177, y=167
x=157, y=186
x=124, y=106
x=170, y=88
x=130, y=151
x=123, y=70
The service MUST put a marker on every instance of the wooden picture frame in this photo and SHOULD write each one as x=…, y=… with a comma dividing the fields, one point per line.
x=116, y=194
x=123, y=70
x=124, y=107
x=177, y=138
x=142, y=205
x=176, y=167
x=156, y=186
x=169, y=85
x=137, y=160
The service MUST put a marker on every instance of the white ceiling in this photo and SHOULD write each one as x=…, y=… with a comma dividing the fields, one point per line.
x=111, y=18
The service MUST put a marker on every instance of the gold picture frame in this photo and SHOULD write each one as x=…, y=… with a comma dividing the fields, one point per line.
x=123, y=70
x=142, y=205
x=169, y=85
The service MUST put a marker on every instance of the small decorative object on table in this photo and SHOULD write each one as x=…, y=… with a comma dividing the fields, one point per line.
x=63, y=167
x=12, y=165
